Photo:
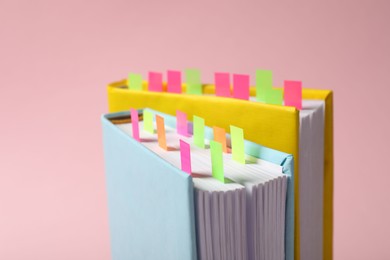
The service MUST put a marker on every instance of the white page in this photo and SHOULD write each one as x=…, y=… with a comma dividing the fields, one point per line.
x=261, y=222
x=244, y=242
x=201, y=241
x=279, y=213
x=249, y=175
x=278, y=246
x=284, y=202
x=208, y=225
x=251, y=218
x=230, y=229
x=215, y=226
x=267, y=208
x=222, y=226
x=311, y=177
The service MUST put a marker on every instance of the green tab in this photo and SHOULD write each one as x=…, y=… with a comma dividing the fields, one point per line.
x=193, y=82
x=263, y=84
x=148, y=122
x=237, y=140
x=274, y=96
x=198, y=126
x=217, y=161
x=134, y=81
x=264, y=90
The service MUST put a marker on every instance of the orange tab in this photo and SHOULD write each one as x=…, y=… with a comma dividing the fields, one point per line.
x=162, y=141
x=220, y=136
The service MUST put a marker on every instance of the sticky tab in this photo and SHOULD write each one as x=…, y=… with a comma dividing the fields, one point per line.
x=274, y=96
x=220, y=136
x=174, y=81
x=162, y=141
x=263, y=84
x=198, y=126
x=241, y=86
x=135, y=124
x=264, y=91
x=185, y=157
x=217, y=161
x=155, y=82
x=222, y=84
x=237, y=140
x=181, y=123
x=148, y=122
x=293, y=93
x=134, y=81
x=193, y=82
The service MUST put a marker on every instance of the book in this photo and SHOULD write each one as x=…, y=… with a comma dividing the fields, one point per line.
x=274, y=126
x=160, y=212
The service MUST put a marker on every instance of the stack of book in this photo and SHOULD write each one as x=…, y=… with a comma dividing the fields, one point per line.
x=247, y=178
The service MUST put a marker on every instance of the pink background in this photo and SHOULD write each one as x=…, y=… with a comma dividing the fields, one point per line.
x=56, y=58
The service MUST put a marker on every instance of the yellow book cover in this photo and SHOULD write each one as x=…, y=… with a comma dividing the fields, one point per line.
x=273, y=126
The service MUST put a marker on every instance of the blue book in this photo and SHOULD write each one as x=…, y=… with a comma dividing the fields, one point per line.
x=158, y=211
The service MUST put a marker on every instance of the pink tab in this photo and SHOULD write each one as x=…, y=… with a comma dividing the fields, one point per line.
x=155, y=81
x=293, y=93
x=181, y=123
x=185, y=156
x=222, y=84
x=135, y=124
x=241, y=86
x=174, y=81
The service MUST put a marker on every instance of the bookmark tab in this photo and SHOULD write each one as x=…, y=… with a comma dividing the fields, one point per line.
x=222, y=84
x=185, y=157
x=237, y=139
x=181, y=123
x=155, y=82
x=293, y=93
x=135, y=124
x=174, y=81
x=263, y=84
x=264, y=91
x=217, y=161
x=162, y=141
x=193, y=82
x=241, y=86
x=148, y=122
x=274, y=97
x=198, y=124
x=134, y=81
x=220, y=136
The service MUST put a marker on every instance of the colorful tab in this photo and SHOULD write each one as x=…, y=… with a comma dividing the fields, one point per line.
x=148, y=122
x=293, y=93
x=264, y=91
x=263, y=84
x=222, y=84
x=220, y=136
x=193, y=82
x=274, y=96
x=185, y=157
x=181, y=123
x=198, y=126
x=241, y=86
x=217, y=161
x=135, y=124
x=162, y=141
x=174, y=81
x=237, y=140
x=134, y=81
x=155, y=82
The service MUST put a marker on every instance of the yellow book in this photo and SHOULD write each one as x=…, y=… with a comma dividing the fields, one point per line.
x=273, y=126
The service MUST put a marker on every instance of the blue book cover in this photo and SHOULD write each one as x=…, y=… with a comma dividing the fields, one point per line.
x=151, y=202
